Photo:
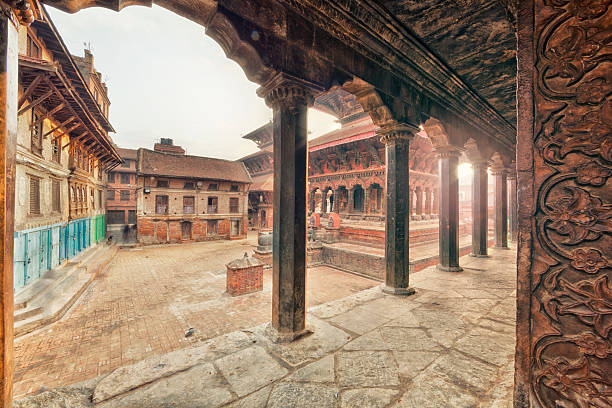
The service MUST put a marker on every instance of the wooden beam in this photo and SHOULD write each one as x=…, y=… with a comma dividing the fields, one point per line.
x=35, y=103
x=29, y=90
x=64, y=123
x=46, y=115
x=68, y=131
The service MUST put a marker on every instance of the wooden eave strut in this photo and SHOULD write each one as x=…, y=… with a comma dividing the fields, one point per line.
x=46, y=92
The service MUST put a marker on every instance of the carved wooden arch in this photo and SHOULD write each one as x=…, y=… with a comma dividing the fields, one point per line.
x=205, y=12
x=375, y=180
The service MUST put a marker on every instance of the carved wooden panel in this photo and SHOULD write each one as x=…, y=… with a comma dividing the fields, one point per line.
x=569, y=281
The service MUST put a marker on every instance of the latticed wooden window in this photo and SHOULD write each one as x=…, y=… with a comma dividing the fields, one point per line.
x=57, y=150
x=110, y=194
x=125, y=195
x=34, y=195
x=33, y=50
x=55, y=195
x=125, y=178
x=161, y=204
x=234, y=205
x=188, y=205
x=36, y=134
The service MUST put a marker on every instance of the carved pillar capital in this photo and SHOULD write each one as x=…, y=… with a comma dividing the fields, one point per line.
x=288, y=91
x=19, y=9
x=479, y=164
x=444, y=152
x=500, y=171
x=396, y=131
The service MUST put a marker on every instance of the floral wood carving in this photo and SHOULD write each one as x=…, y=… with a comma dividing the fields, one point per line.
x=571, y=320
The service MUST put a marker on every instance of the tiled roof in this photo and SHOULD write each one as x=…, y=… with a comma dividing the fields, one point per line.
x=196, y=167
x=265, y=182
x=127, y=153
x=357, y=128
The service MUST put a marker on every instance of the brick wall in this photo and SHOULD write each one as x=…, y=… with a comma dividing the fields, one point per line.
x=241, y=281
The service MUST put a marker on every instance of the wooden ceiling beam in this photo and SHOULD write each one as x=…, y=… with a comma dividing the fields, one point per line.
x=48, y=114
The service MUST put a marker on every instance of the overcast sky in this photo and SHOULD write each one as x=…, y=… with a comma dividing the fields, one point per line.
x=166, y=78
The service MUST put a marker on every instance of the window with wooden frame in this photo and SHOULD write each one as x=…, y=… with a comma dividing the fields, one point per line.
x=162, y=183
x=188, y=205
x=92, y=198
x=189, y=185
x=213, y=205
x=100, y=202
x=234, y=205
x=56, y=150
x=110, y=194
x=33, y=49
x=36, y=133
x=55, y=196
x=234, y=188
x=161, y=204
x=125, y=178
x=34, y=195
x=213, y=187
x=126, y=163
x=125, y=195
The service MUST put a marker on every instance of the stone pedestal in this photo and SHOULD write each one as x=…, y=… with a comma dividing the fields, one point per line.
x=244, y=275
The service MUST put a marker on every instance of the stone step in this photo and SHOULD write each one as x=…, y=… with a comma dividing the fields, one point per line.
x=52, y=303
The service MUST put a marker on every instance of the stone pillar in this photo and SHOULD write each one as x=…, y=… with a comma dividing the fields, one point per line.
x=501, y=208
x=513, y=210
x=289, y=99
x=419, y=201
x=336, y=204
x=366, y=200
x=428, y=201
x=449, y=209
x=396, y=138
x=8, y=143
x=351, y=200
x=480, y=216
x=434, y=200
x=323, y=201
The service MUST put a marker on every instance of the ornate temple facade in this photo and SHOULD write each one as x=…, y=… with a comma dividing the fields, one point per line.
x=346, y=172
x=346, y=168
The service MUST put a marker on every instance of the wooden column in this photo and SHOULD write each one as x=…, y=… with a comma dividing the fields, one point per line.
x=419, y=200
x=8, y=143
x=289, y=99
x=449, y=209
x=366, y=200
x=480, y=215
x=396, y=138
x=513, y=209
x=411, y=202
x=501, y=208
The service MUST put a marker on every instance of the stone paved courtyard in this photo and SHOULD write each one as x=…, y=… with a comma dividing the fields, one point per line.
x=143, y=304
x=450, y=345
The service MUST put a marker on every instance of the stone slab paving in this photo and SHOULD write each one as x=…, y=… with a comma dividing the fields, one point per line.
x=450, y=345
x=144, y=302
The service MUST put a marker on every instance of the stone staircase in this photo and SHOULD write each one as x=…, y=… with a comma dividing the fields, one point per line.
x=49, y=298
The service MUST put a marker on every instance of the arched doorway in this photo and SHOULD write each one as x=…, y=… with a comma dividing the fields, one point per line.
x=358, y=199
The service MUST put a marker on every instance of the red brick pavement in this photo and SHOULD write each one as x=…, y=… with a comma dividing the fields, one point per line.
x=143, y=304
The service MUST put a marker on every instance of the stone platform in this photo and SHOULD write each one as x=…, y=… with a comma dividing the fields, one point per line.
x=450, y=345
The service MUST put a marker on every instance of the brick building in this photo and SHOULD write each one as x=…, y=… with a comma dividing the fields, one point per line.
x=121, y=194
x=189, y=198
x=63, y=152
